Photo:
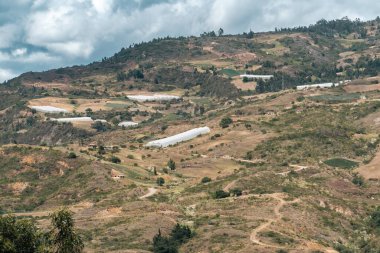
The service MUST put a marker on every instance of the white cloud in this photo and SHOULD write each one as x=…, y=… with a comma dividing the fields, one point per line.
x=19, y=52
x=6, y=74
x=9, y=34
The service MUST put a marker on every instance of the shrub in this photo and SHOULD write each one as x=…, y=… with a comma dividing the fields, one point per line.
x=225, y=122
x=236, y=192
x=171, y=164
x=130, y=157
x=160, y=181
x=72, y=155
x=358, y=180
x=220, y=194
x=115, y=159
x=206, y=180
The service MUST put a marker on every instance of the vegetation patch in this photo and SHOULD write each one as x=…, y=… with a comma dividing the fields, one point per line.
x=341, y=163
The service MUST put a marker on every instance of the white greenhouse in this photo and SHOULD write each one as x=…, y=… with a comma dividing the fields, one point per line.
x=48, y=109
x=77, y=119
x=185, y=136
x=264, y=77
x=156, y=97
x=318, y=85
x=127, y=124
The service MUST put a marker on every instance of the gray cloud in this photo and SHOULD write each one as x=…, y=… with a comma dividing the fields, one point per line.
x=43, y=34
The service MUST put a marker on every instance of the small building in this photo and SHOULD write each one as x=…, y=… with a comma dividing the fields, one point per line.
x=116, y=174
x=264, y=77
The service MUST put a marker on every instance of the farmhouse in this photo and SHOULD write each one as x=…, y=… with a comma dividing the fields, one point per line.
x=185, y=136
x=116, y=174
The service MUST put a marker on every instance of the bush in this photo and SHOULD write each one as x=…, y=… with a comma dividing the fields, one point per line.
x=206, y=180
x=115, y=159
x=179, y=235
x=236, y=192
x=375, y=220
x=72, y=155
x=160, y=181
x=358, y=180
x=225, y=122
x=220, y=194
x=171, y=164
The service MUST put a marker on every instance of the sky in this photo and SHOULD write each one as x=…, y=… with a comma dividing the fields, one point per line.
x=38, y=35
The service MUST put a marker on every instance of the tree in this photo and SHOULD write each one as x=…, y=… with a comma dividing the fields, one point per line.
x=160, y=181
x=220, y=32
x=181, y=233
x=115, y=159
x=100, y=126
x=236, y=192
x=375, y=220
x=121, y=76
x=171, y=164
x=20, y=236
x=220, y=194
x=163, y=244
x=64, y=237
x=225, y=122
x=72, y=155
x=205, y=180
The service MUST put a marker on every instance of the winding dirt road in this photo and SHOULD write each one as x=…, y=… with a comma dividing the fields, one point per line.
x=281, y=202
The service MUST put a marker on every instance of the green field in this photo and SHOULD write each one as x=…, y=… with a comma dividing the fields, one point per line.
x=341, y=163
x=229, y=72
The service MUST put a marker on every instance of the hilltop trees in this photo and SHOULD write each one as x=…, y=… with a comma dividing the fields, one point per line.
x=170, y=244
x=21, y=235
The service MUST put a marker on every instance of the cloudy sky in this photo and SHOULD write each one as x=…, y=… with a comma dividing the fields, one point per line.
x=43, y=34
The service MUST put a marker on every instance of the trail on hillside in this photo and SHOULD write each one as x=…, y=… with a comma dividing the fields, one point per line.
x=281, y=202
x=151, y=192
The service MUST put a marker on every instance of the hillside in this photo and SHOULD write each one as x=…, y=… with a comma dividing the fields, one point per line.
x=281, y=170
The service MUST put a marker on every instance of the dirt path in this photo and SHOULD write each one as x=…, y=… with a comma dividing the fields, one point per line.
x=151, y=192
x=298, y=168
x=281, y=202
x=228, y=187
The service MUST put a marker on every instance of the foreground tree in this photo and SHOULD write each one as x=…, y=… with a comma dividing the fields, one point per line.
x=64, y=237
x=20, y=236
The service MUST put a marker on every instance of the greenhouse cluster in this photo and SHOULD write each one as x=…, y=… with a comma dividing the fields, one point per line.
x=185, y=136
x=48, y=109
x=156, y=97
x=127, y=124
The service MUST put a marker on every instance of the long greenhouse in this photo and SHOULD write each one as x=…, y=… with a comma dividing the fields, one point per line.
x=185, y=136
x=156, y=97
x=48, y=109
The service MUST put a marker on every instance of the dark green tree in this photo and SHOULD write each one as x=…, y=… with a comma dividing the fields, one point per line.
x=171, y=164
x=63, y=236
x=225, y=122
x=160, y=181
